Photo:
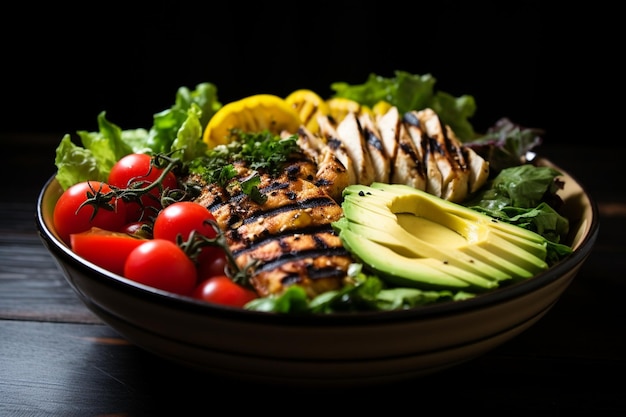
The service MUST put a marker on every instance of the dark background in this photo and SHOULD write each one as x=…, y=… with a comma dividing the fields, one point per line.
x=541, y=67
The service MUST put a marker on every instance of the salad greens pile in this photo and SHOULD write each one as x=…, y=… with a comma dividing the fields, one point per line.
x=178, y=128
x=517, y=192
x=413, y=92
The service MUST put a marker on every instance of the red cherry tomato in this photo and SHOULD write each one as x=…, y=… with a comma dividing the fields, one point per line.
x=161, y=264
x=69, y=219
x=182, y=218
x=140, y=229
x=137, y=169
x=222, y=290
x=210, y=266
x=104, y=248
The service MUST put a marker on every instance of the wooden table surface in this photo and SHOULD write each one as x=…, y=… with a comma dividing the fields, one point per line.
x=58, y=359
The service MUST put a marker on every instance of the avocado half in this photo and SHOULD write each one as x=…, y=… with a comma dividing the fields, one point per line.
x=415, y=239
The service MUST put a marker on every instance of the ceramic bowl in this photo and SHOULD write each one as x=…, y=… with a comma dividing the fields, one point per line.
x=363, y=348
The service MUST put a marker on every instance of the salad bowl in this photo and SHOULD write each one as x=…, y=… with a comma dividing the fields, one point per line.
x=325, y=349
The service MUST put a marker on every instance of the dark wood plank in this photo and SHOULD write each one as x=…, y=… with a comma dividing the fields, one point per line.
x=32, y=286
x=78, y=370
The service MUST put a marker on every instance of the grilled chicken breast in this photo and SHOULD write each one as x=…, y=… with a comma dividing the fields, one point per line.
x=286, y=240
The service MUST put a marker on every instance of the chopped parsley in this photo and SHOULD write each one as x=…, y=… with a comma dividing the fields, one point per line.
x=261, y=152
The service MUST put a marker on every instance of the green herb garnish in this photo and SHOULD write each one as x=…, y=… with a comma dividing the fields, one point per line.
x=261, y=152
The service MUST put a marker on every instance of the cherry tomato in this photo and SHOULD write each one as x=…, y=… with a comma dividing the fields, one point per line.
x=222, y=290
x=104, y=248
x=181, y=218
x=141, y=229
x=69, y=219
x=210, y=266
x=161, y=264
x=137, y=168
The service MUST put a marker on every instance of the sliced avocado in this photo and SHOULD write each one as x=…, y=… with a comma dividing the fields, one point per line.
x=407, y=271
x=414, y=238
x=389, y=232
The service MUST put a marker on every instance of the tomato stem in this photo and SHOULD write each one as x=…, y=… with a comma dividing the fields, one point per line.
x=196, y=241
x=137, y=189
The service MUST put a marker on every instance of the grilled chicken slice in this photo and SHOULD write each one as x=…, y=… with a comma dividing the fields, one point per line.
x=379, y=158
x=478, y=167
x=331, y=175
x=457, y=187
x=286, y=240
x=410, y=167
x=389, y=128
x=422, y=143
x=405, y=159
x=317, y=262
x=329, y=133
x=349, y=132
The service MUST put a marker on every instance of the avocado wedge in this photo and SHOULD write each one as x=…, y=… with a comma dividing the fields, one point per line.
x=413, y=238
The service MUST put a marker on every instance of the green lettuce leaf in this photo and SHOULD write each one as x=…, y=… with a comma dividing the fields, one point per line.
x=93, y=161
x=75, y=164
x=166, y=124
x=413, y=92
x=520, y=195
x=177, y=128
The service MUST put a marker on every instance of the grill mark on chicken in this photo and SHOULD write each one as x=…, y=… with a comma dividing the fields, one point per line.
x=326, y=260
x=313, y=271
x=306, y=205
x=328, y=130
x=373, y=140
x=379, y=158
x=290, y=257
x=331, y=175
x=411, y=167
x=252, y=220
x=320, y=236
x=313, y=257
x=458, y=187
